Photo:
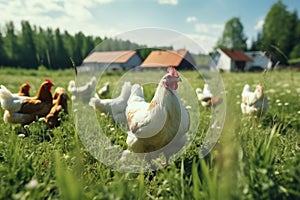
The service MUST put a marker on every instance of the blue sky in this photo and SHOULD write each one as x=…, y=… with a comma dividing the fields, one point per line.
x=201, y=21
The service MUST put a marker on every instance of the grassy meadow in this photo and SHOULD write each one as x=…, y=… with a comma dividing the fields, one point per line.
x=253, y=159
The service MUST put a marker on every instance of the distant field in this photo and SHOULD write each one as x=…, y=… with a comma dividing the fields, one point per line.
x=253, y=159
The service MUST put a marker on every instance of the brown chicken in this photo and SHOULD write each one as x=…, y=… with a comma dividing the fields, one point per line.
x=60, y=104
x=29, y=109
x=24, y=90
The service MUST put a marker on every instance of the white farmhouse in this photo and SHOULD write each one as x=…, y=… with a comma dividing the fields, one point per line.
x=238, y=60
x=259, y=60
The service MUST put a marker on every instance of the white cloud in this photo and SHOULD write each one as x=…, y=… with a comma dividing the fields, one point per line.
x=205, y=42
x=171, y=2
x=209, y=29
x=70, y=15
x=104, y=1
x=259, y=25
x=191, y=19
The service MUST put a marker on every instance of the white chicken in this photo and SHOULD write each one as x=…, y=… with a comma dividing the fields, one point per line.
x=159, y=126
x=83, y=92
x=104, y=90
x=206, y=97
x=9, y=101
x=116, y=106
x=254, y=102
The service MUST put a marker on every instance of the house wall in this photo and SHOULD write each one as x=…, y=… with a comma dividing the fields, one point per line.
x=134, y=61
x=224, y=62
x=259, y=60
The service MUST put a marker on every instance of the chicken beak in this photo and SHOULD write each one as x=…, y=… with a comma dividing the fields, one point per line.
x=179, y=79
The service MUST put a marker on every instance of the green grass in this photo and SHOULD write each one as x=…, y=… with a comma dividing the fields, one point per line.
x=253, y=159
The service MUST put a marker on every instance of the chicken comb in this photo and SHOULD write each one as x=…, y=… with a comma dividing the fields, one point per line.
x=27, y=84
x=173, y=71
x=48, y=81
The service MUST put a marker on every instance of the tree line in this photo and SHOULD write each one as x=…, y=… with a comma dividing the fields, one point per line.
x=34, y=46
x=279, y=37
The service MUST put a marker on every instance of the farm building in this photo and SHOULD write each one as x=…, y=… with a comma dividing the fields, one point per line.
x=180, y=59
x=238, y=60
x=259, y=60
x=114, y=60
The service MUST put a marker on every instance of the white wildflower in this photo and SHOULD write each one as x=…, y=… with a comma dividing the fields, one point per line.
x=279, y=104
x=21, y=135
x=66, y=156
x=277, y=100
x=271, y=91
x=32, y=184
x=286, y=103
x=112, y=129
x=286, y=85
x=188, y=107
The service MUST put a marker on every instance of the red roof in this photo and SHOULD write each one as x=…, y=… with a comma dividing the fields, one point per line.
x=236, y=55
x=163, y=58
x=109, y=57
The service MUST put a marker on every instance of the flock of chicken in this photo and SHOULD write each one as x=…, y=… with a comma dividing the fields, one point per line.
x=154, y=127
x=22, y=109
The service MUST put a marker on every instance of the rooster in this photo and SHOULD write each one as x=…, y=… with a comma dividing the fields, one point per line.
x=254, y=102
x=24, y=90
x=83, y=92
x=206, y=97
x=104, y=90
x=60, y=104
x=161, y=123
x=115, y=107
x=24, y=110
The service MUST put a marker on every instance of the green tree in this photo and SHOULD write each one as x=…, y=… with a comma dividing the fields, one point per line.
x=10, y=44
x=61, y=58
x=78, y=43
x=27, y=46
x=233, y=36
x=295, y=53
x=278, y=32
x=2, y=52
